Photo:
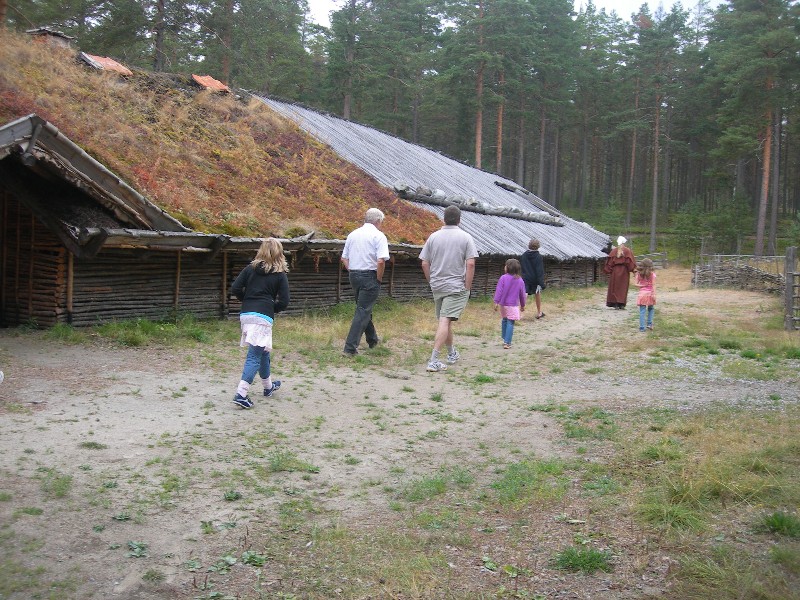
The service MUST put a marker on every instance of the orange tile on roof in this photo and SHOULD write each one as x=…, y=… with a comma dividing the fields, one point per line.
x=210, y=83
x=107, y=64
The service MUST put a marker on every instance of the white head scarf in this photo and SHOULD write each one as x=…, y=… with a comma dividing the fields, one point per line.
x=621, y=240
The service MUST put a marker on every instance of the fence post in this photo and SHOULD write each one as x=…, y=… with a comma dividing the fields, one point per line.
x=789, y=289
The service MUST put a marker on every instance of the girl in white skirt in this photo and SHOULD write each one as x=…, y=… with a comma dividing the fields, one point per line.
x=263, y=289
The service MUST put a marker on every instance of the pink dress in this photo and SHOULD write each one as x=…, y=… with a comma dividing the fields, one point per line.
x=647, y=290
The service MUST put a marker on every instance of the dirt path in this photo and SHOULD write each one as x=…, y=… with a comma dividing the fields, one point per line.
x=151, y=441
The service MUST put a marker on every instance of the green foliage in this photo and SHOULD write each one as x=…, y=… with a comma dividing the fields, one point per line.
x=531, y=480
x=583, y=559
x=782, y=523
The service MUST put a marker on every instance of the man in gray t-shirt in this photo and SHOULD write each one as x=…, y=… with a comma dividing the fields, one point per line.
x=448, y=261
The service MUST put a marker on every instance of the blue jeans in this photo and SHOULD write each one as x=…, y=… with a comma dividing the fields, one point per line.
x=257, y=361
x=507, y=330
x=366, y=289
x=649, y=310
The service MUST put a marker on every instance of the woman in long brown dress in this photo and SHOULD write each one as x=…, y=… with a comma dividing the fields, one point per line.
x=619, y=265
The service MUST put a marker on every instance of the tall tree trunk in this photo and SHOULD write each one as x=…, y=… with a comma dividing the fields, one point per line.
x=552, y=192
x=764, y=195
x=349, y=59
x=227, y=42
x=585, y=166
x=500, y=115
x=666, y=172
x=656, y=151
x=521, y=146
x=542, y=145
x=632, y=172
x=160, y=26
x=479, y=93
x=415, y=108
x=772, y=246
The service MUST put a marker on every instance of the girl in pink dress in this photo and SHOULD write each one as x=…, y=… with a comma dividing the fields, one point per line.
x=510, y=297
x=645, y=279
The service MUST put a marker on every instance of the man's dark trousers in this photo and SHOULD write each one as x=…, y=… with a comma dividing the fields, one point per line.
x=366, y=289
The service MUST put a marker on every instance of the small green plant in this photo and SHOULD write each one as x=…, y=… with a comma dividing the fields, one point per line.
x=583, y=559
x=782, y=523
x=482, y=378
x=285, y=460
x=137, y=549
x=232, y=495
x=425, y=488
x=30, y=510
x=192, y=565
x=153, y=576
x=223, y=565
x=92, y=446
x=254, y=558
x=437, y=397
x=207, y=527
x=56, y=484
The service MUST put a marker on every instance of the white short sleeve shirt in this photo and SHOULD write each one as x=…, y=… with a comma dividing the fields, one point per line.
x=364, y=247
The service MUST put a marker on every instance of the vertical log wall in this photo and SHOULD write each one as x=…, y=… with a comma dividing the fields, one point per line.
x=33, y=268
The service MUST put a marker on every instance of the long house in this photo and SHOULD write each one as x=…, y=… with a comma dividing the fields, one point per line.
x=497, y=212
x=80, y=246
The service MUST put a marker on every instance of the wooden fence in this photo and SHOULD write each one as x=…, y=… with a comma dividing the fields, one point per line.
x=770, y=274
x=659, y=259
x=791, y=291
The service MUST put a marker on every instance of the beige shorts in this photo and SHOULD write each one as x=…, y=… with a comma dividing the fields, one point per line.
x=450, y=304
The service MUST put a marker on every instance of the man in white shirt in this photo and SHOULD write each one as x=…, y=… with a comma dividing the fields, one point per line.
x=364, y=256
x=448, y=261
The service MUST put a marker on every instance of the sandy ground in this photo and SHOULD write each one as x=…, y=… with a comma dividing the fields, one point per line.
x=152, y=436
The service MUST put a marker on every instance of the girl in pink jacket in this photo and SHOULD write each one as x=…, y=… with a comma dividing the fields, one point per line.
x=510, y=297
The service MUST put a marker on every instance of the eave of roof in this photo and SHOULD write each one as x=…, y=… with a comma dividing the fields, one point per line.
x=36, y=141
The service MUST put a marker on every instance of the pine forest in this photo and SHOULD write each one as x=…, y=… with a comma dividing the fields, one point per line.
x=679, y=123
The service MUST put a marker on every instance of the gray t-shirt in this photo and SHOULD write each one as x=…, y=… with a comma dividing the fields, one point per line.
x=447, y=251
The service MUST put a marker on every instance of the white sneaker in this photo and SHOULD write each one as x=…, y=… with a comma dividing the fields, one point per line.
x=436, y=365
x=453, y=356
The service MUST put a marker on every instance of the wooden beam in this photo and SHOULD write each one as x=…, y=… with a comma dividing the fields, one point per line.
x=70, y=284
x=224, y=303
x=177, y=283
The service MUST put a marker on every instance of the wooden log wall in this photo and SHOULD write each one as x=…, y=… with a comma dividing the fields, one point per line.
x=33, y=268
x=43, y=284
x=120, y=284
x=741, y=277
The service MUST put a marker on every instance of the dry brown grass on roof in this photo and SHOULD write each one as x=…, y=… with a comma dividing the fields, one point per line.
x=217, y=163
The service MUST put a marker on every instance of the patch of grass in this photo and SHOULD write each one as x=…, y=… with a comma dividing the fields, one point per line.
x=601, y=486
x=92, y=446
x=285, y=460
x=584, y=559
x=153, y=576
x=29, y=510
x=425, y=488
x=55, y=484
x=782, y=523
x=669, y=516
x=787, y=556
x=729, y=574
x=663, y=450
x=595, y=424
x=531, y=480
x=64, y=333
